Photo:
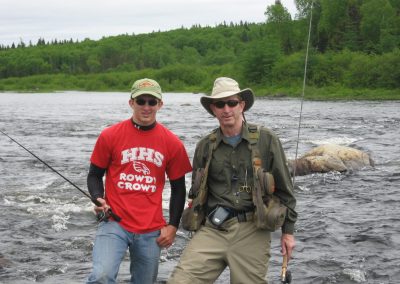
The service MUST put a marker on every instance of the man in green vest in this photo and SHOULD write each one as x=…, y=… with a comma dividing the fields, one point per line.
x=241, y=191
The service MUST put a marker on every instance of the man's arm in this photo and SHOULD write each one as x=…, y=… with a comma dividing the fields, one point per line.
x=96, y=187
x=284, y=185
x=285, y=193
x=177, y=201
x=95, y=181
x=176, y=205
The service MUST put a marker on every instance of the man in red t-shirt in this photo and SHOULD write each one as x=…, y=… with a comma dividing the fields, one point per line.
x=136, y=155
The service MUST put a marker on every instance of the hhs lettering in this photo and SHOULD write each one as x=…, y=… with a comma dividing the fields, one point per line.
x=142, y=154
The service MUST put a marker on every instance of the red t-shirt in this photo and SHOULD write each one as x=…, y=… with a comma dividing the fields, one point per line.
x=136, y=163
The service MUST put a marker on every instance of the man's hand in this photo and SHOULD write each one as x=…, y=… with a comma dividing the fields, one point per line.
x=103, y=208
x=287, y=243
x=167, y=236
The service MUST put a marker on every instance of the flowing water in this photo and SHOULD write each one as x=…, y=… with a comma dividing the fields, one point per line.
x=348, y=227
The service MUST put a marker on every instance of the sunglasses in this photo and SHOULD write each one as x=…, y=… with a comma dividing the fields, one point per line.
x=230, y=103
x=150, y=102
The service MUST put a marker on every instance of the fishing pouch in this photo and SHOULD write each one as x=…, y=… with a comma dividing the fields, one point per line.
x=269, y=213
x=193, y=218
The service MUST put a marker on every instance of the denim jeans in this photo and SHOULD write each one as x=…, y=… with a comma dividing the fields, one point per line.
x=110, y=247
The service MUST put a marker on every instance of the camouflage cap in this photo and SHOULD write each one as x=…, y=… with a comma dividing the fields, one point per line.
x=146, y=87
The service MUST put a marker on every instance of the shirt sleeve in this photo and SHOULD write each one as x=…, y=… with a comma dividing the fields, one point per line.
x=178, y=164
x=101, y=154
x=283, y=184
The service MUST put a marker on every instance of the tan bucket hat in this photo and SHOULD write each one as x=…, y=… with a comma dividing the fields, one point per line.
x=226, y=87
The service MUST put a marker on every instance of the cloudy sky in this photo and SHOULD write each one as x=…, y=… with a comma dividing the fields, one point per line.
x=29, y=20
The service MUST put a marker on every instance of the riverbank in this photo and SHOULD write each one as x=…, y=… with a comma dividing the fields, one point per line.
x=330, y=93
x=108, y=82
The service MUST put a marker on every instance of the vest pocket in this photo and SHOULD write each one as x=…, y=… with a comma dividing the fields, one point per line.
x=271, y=215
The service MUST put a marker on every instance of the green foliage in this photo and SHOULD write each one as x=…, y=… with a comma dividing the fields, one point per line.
x=354, y=44
x=373, y=71
x=379, y=26
x=277, y=14
x=289, y=70
x=258, y=61
x=179, y=76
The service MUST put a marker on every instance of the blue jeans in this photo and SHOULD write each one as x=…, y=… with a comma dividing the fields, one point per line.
x=110, y=247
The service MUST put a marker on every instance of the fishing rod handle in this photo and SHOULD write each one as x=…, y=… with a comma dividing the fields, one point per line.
x=114, y=216
x=103, y=215
x=286, y=276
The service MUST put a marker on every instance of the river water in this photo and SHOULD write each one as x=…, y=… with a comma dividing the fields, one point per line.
x=349, y=224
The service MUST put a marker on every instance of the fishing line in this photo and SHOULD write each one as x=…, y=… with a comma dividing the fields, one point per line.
x=97, y=203
x=302, y=93
x=286, y=276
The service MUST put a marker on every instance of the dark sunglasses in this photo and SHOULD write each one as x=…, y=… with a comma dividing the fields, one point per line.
x=150, y=102
x=230, y=103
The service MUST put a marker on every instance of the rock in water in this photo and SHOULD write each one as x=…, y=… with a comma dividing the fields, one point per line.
x=331, y=157
x=4, y=262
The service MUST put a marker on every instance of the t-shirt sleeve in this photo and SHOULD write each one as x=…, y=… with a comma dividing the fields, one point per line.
x=101, y=155
x=178, y=164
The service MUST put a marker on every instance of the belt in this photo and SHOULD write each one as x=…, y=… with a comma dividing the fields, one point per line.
x=242, y=216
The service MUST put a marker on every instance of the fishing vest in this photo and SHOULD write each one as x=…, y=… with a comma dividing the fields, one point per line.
x=269, y=212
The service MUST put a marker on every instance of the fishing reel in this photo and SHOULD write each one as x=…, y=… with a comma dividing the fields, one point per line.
x=105, y=215
x=102, y=216
x=287, y=277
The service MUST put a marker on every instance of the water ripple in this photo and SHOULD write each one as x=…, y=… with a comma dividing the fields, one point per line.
x=348, y=229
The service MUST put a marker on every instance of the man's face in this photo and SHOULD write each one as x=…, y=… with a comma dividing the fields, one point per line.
x=145, y=108
x=228, y=111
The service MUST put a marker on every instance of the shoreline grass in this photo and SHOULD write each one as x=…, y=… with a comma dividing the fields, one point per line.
x=121, y=82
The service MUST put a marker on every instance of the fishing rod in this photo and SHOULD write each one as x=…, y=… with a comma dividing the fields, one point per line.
x=100, y=216
x=302, y=93
x=286, y=276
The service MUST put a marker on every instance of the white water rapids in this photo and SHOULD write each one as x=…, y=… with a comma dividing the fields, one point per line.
x=348, y=227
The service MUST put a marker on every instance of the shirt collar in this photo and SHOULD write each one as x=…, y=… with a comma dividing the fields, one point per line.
x=244, y=134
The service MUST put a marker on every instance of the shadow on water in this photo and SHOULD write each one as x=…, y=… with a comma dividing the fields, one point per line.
x=348, y=227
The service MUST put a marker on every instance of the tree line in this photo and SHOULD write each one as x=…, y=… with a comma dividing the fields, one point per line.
x=354, y=44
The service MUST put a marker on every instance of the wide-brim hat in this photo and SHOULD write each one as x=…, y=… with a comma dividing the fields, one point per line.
x=225, y=87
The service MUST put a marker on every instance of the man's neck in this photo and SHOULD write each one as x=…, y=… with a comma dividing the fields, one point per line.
x=231, y=131
x=143, y=127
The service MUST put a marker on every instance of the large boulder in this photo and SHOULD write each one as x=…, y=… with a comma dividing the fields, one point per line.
x=330, y=157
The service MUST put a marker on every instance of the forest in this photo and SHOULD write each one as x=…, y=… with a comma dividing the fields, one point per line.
x=354, y=53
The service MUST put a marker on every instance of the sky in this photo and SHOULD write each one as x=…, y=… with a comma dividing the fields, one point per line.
x=29, y=20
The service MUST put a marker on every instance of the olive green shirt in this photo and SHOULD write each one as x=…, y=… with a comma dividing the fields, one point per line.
x=230, y=177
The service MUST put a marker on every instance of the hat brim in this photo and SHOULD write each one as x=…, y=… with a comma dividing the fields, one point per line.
x=246, y=95
x=145, y=92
